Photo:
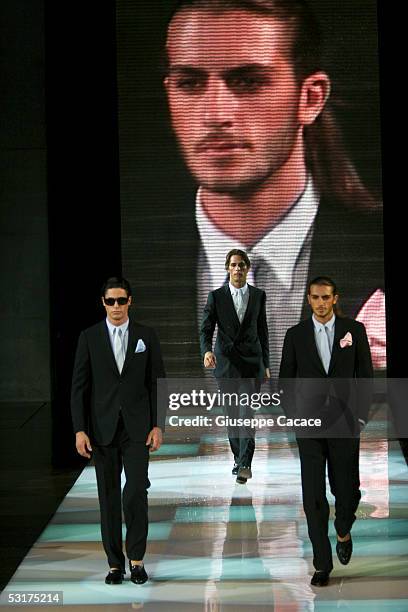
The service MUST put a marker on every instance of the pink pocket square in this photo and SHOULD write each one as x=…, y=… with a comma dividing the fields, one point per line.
x=347, y=340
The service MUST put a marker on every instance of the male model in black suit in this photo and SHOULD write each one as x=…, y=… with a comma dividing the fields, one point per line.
x=114, y=413
x=241, y=354
x=330, y=353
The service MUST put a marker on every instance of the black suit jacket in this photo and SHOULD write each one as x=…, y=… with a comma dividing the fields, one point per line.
x=348, y=396
x=99, y=391
x=241, y=349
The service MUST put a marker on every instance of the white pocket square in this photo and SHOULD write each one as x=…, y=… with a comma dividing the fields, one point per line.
x=140, y=346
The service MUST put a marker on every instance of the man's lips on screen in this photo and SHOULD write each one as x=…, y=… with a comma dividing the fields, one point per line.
x=220, y=144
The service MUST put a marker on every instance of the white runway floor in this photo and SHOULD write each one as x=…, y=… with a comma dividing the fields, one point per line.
x=216, y=545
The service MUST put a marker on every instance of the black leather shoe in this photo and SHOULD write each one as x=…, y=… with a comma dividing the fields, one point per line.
x=235, y=469
x=344, y=551
x=138, y=574
x=320, y=578
x=115, y=576
x=241, y=480
x=245, y=472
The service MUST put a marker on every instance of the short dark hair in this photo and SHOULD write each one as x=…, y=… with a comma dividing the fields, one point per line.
x=116, y=282
x=322, y=281
x=241, y=254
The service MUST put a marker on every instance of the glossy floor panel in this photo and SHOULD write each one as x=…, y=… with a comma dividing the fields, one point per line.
x=216, y=545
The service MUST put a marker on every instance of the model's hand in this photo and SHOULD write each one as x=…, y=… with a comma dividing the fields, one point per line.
x=83, y=444
x=209, y=360
x=154, y=439
x=267, y=373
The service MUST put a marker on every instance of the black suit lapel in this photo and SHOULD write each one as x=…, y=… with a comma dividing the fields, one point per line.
x=189, y=250
x=312, y=348
x=250, y=304
x=339, y=331
x=230, y=308
x=107, y=346
x=131, y=347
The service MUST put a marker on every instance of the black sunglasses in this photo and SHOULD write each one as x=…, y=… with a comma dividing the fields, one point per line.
x=120, y=300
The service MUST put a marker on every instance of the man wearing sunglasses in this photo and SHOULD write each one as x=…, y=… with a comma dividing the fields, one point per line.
x=115, y=417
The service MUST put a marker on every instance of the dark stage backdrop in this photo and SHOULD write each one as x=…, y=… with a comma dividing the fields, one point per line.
x=25, y=313
x=161, y=252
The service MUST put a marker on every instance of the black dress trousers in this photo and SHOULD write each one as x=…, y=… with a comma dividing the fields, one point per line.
x=341, y=455
x=109, y=461
x=241, y=438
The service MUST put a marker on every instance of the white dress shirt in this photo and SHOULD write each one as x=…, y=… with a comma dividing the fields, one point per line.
x=240, y=297
x=324, y=332
x=113, y=329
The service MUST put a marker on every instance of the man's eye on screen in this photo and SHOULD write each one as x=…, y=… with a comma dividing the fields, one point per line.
x=189, y=85
x=246, y=84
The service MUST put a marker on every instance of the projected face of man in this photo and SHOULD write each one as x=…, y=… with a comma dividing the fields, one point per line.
x=235, y=104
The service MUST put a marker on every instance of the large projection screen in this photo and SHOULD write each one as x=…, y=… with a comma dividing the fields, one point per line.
x=172, y=248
